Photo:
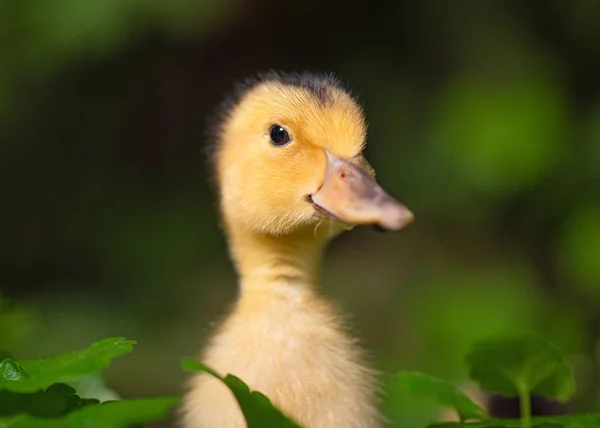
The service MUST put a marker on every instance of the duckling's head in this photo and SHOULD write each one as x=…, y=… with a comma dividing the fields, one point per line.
x=289, y=155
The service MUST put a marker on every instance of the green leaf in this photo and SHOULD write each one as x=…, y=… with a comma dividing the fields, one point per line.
x=588, y=420
x=497, y=424
x=58, y=399
x=114, y=414
x=521, y=363
x=34, y=375
x=256, y=407
x=441, y=391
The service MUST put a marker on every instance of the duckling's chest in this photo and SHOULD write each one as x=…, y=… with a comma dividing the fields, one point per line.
x=297, y=353
x=293, y=333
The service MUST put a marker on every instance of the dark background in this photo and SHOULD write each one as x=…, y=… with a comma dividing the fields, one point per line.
x=484, y=119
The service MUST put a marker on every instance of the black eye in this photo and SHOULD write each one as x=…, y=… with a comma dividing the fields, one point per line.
x=279, y=136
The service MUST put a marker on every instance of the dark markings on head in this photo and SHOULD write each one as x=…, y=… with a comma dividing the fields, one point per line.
x=317, y=84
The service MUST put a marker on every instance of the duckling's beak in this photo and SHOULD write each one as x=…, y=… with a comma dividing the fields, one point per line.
x=351, y=195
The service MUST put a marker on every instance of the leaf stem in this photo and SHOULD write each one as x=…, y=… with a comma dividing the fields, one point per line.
x=525, y=405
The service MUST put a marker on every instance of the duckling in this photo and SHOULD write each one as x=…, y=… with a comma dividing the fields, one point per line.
x=291, y=176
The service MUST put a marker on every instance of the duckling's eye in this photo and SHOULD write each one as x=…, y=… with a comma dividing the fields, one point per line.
x=279, y=136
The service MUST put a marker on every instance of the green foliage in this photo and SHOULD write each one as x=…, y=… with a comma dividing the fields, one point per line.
x=58, y=399
x=512, y=364
x=443, y=392
x=33, y=375
x=521, y=364
x=32, y=395
x=114, y=414
x=405, y=408
x=486, y=424
x=256, y=407
x=568, y=421
x=518, y=364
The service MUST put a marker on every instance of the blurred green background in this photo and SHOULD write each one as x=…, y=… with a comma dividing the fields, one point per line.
x=484, y=119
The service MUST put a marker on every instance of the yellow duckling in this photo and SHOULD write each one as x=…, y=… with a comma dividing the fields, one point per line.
x=291, y=176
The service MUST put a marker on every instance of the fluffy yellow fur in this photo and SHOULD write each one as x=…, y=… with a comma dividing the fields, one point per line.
x=282, y=337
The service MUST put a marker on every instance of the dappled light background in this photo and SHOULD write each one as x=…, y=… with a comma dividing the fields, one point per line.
x=484, y=118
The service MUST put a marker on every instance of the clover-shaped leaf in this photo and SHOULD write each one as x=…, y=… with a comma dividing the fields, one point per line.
x=521, y=363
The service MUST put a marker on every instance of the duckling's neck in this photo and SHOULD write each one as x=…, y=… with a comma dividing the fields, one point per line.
x=284, y=340
x=280, y=264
